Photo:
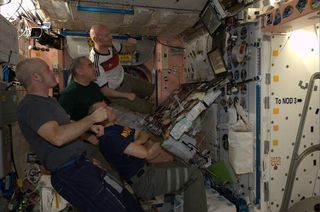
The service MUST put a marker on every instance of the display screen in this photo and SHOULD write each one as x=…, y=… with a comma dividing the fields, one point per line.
x=210, y=18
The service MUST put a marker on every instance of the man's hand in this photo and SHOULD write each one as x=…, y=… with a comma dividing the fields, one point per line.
x=98, y=130
x=131, y=96
x=90, y=138
x=132, y=41
x=99, y=115
x=144, y=136
x=141, y=137
x=161, y=156
x=129, y=46
x=154, y=151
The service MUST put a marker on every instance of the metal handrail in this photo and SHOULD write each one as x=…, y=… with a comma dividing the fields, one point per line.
x=296, y=158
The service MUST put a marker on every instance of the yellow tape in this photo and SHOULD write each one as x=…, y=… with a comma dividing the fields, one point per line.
x=275, y=142
x=276, y=110
x=275, y=53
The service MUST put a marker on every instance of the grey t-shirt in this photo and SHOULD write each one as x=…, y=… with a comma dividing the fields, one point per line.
x=33, y=112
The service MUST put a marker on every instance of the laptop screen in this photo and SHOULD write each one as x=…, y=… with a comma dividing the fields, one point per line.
x=210, y=18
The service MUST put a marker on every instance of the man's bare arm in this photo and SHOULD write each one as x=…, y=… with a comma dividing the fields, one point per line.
x=129, y=46
x=59, y=135
x=139, y=151
x=141, y=137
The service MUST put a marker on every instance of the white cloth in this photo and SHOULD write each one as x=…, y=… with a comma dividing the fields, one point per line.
x=109, y=70
x=240, y=138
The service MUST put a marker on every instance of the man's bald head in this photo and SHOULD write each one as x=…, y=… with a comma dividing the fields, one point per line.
x=101, y=36
x=27, y=67
x=96, y=29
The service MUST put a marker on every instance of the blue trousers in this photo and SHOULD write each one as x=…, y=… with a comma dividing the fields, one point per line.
x=90, y=189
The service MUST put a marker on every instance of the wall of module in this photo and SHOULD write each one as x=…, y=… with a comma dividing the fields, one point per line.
x=169, y=63
x=290, y=61
x=243, y=61
x=197, y=67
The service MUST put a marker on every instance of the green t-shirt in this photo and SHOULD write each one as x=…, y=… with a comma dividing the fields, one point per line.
x=76, y=99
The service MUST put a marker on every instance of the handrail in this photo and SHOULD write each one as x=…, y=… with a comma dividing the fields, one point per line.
x=296, y=158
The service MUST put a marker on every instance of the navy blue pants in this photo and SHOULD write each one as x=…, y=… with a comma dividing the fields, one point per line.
x=90, y=189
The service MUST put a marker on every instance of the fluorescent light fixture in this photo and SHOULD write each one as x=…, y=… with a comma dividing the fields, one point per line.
x=105, y=10
x=86, y=34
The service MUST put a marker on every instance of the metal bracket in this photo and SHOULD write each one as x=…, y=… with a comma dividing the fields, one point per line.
x=266, y=147
x=266, y=102
x=268, y=79
x=266, y=191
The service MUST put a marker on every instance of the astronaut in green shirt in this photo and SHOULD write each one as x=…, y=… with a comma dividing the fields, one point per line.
x=77, y=98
